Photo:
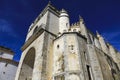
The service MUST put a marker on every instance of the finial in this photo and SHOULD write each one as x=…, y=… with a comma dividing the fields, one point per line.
x=98, y=35
x=49, y=2
x=97, y=32
x=80, y=18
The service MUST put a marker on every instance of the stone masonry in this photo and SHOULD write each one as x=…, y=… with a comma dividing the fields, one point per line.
x=56, y=50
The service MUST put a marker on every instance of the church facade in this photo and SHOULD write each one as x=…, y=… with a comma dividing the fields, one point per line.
x=56, y=50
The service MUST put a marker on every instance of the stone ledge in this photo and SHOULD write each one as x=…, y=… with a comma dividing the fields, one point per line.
x=9, y=61
x=6, y=50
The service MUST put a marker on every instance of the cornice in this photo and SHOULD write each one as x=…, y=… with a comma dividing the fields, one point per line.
x=6, y=50
x=32, y=38
x=9, y=61
x=71, y=33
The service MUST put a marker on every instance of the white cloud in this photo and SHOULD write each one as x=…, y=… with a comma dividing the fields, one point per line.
x=113, y=38
x=111, y=35
x=6, y=28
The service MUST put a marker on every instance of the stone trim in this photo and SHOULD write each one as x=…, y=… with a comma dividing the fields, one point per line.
x=64, y=16
x=34, y=36
x=9, y=61
x=6, y=50
x=71, y=33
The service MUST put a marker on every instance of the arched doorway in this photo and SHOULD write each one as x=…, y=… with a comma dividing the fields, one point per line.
x=27, y=65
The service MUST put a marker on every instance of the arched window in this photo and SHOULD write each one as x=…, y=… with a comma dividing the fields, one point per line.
x=27, y=65
x=36, y=28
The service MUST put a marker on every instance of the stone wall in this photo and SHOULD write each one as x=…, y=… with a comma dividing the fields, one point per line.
x=68, y=57
x=73, y=54
x=7, y=70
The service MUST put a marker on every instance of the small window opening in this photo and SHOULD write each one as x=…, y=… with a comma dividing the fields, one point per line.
x=85, y=55
x=69, y=29
x=72, y=47
x=67, y=24
x=58, y=46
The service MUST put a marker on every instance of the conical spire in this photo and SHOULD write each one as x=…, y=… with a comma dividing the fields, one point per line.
x=97, y=33
x=49, y=3
x=81, y=19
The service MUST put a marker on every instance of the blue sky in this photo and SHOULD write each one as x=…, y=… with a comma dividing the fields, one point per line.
x=17, y=15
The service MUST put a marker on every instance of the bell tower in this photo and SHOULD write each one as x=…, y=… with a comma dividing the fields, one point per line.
x=34, y=62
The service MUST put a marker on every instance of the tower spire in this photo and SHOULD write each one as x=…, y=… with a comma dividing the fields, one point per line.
x=80, y=18
x=97, y=33
x=49, y=2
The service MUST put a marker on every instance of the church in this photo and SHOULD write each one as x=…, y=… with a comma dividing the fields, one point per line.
x=55, y=49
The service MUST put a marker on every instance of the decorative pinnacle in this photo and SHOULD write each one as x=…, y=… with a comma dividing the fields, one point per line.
x=80, y=18
x=97, y=33
x=49, y=2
